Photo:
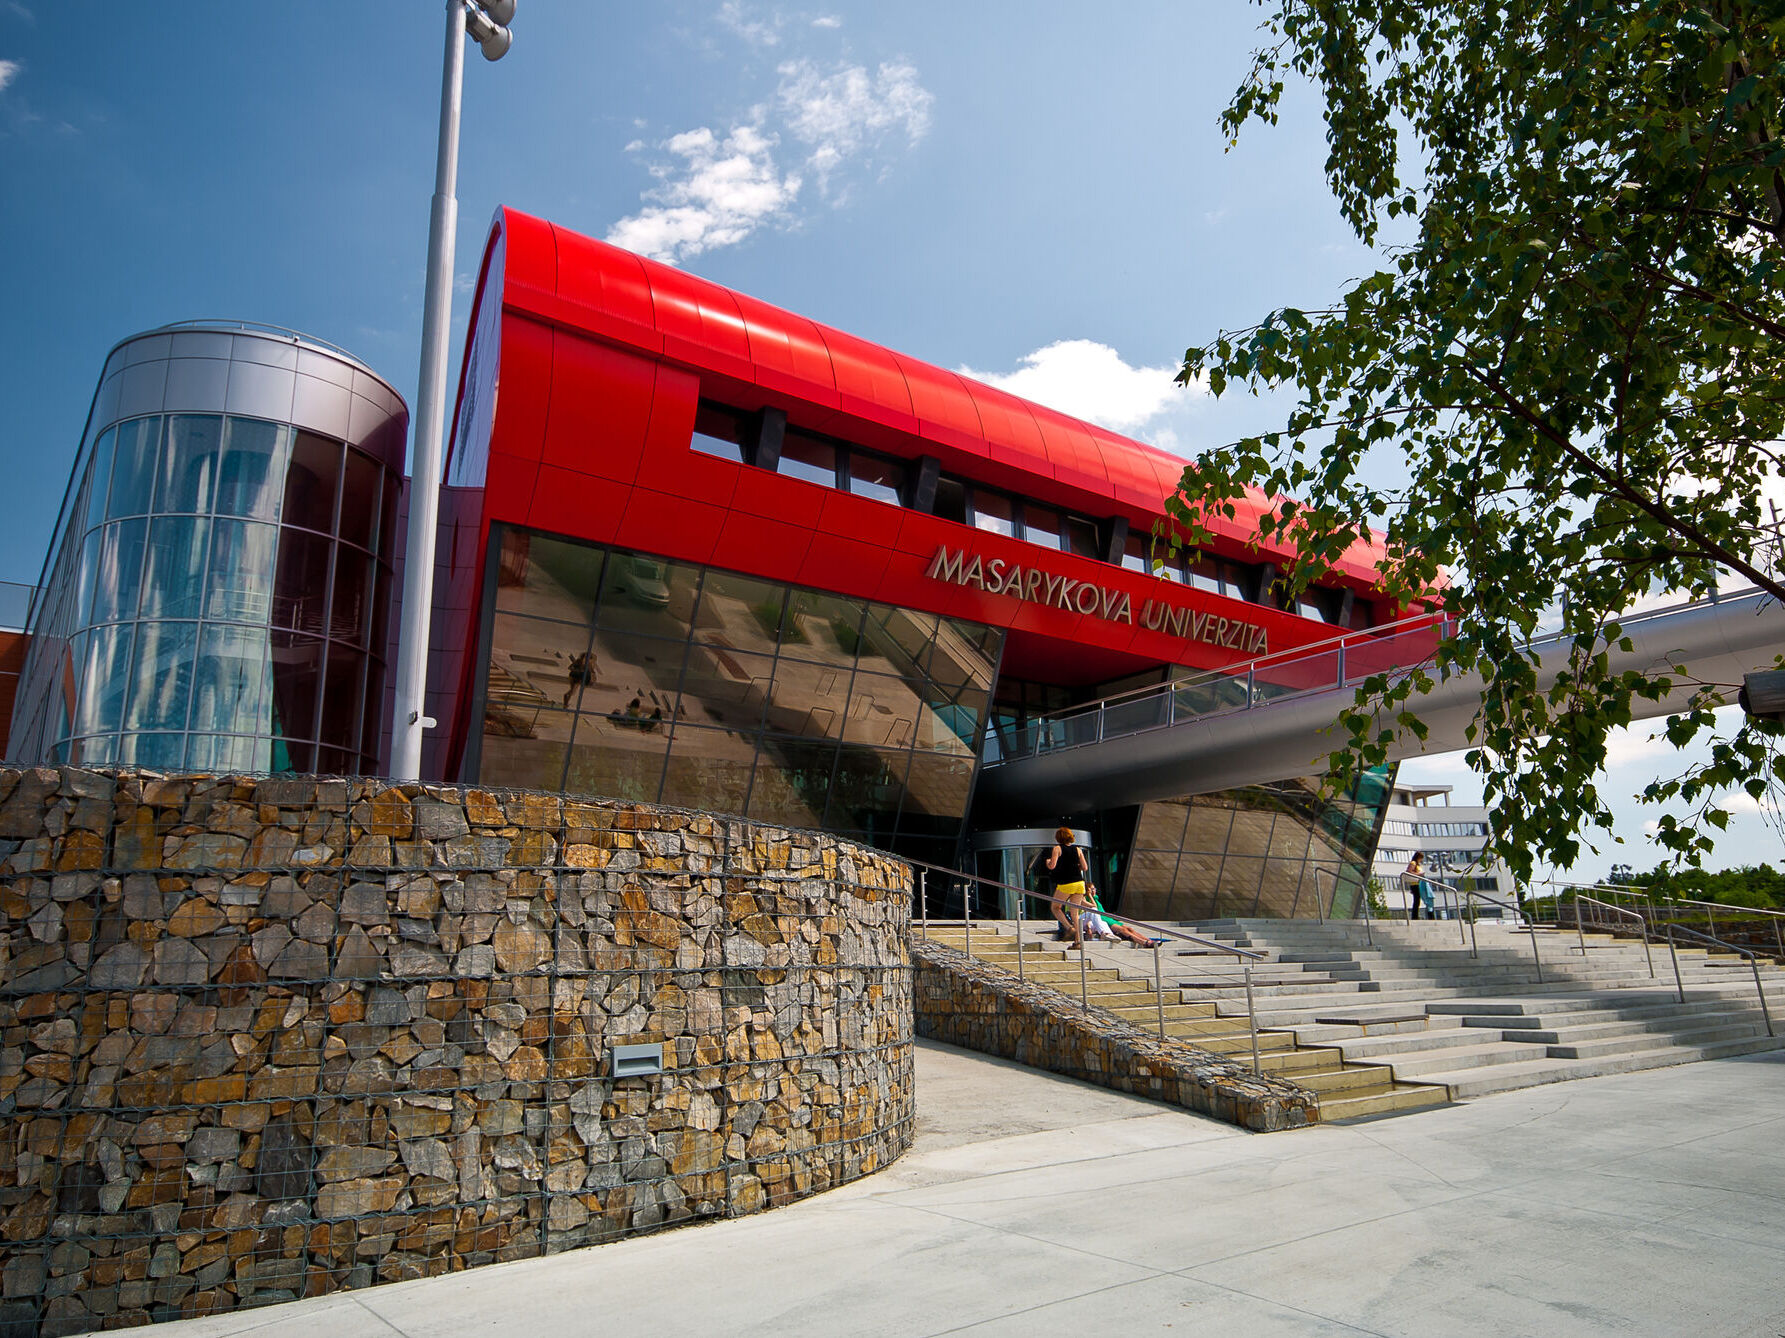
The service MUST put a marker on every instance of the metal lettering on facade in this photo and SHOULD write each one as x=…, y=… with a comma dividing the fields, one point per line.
x=999, y=577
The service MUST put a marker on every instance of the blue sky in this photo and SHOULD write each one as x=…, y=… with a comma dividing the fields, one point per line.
x=1034, y=191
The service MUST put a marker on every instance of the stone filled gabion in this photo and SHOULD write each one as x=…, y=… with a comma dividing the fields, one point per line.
x=272, y=1037
x=976, y=1005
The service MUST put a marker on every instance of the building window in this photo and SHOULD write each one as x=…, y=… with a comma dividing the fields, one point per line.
x=951, y=500
x=718, y=431
x=808, y=458
x=994, y=513
x=1081, y=537
x=876, y=477
x=1042, y=526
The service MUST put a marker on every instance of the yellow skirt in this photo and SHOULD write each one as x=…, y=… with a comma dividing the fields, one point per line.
x=1070, y=891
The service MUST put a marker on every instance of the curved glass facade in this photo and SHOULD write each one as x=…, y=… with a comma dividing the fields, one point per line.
x=614, y=673
x=217, y=599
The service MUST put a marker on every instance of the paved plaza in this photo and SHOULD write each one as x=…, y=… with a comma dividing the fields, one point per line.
x=1648, y=1204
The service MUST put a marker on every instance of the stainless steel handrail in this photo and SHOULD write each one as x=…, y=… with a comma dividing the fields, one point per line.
x=1246, y=955
x=1658, y=908
x=1777, y=917
x=1034, y=737
x=1469, y=897
x=1753, y=964
x=1641, y=919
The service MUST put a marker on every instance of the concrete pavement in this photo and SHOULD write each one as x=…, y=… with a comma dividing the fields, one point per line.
x=1651, y=1204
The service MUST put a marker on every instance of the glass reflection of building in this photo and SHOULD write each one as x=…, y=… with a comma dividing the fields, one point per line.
x=617, y=674
x=217, y=591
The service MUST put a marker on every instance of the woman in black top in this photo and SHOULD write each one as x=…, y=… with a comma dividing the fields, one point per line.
x=1067, y=863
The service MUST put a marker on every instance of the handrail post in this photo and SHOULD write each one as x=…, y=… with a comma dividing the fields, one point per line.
x=967, y=915
x=923, y=900
x=1536, y=958
x=1674, y=952
x=1084, y=989
x=1319, y=902
x=1765, y=1013
x=1457, y=910
x=1474, y=943
x=1296, y=903
x=1647, y=955
x=1252, y=1019
x=1159, y=990
x=1019, y=939
x=1369, y=912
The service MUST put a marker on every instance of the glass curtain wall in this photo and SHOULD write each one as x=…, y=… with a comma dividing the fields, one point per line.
x=214, y=603
x=614, y=673
x=1264, y=850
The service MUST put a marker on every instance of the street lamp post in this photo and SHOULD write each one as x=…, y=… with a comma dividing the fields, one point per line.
x=487, y=23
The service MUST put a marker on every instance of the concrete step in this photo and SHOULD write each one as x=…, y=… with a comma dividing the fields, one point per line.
x=1579, y=1048
x=1392, y=1101
x=1351, y=1080
x=1422, y=1064
x=1507, y=1077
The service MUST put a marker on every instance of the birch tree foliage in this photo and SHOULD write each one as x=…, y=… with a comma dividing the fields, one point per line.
x=1573, y=373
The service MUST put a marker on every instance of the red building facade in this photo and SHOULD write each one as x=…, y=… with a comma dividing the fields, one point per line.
x=720, y=555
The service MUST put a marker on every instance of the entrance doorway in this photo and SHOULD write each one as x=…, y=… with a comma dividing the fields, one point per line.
x=1004, y=856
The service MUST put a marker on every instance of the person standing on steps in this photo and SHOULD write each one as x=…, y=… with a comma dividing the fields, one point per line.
x=1418, y=893
x=1067, y=863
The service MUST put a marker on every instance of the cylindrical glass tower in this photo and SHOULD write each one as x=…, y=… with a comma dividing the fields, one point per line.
x=217, y=593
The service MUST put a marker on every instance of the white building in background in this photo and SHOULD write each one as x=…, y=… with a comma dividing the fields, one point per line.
x=1453, y=838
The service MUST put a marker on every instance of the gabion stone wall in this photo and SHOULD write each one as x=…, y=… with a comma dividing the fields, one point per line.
x=977, y=1005
x=267, y=1038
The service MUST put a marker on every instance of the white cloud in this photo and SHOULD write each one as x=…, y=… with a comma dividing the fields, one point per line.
x=717, y=191
x=9, y=70
x=724, y=190
x=827, y=21
x=846, y=113
x=758, y=32
x=1091, y=381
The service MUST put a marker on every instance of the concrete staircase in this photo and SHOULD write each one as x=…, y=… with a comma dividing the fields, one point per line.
x=1413, y=997
x=1120, y=980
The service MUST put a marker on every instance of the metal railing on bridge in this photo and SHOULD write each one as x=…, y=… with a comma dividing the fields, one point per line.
x=1335, y=663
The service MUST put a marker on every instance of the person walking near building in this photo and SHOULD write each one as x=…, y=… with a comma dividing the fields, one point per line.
x=1068, y=865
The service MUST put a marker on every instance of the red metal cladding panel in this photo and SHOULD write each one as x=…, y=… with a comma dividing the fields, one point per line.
x=577, y=506
x=789, y=353
x=1077, y=457
x=870, y=385
x=670, y=526
x=601, y=408
x=861, y=518
x=670, y=463
x=700, y=324
x=1011, y=434
x=1133, y=479
x=608, y=289
x=904, y=583
x=508, y=487
x=761, y=493
x=760, y=545
x=530, y=251
x=526, y=388
x=922, y=535
x=849, y=566
x=945, y=411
